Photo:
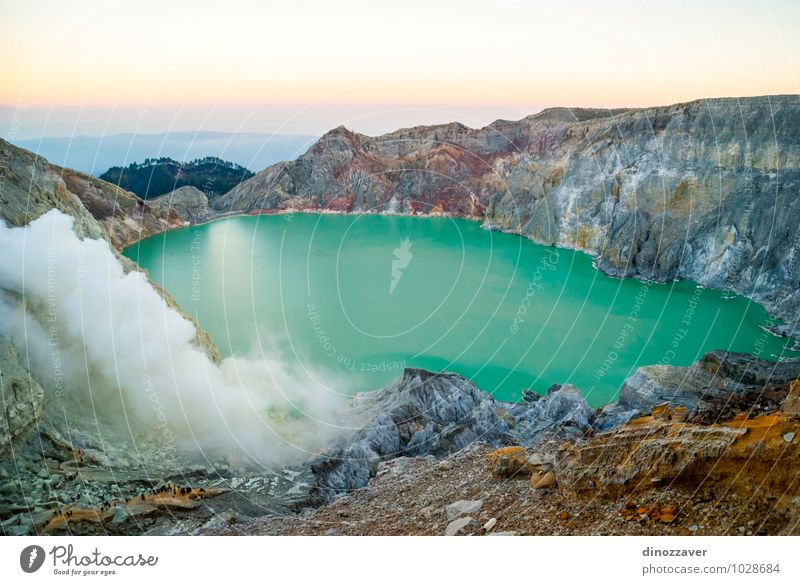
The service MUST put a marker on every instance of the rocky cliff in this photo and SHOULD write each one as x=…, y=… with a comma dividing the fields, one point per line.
x=705, y=190
x=30, y=187
x=22, y=398
x=93, y=489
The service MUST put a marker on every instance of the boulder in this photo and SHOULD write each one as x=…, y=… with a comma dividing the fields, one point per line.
x=543, y=480
x=462, y=507
x=458, y=525
x=508, y=462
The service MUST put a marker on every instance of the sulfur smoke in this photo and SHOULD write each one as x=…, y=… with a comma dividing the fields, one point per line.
x=105, y=345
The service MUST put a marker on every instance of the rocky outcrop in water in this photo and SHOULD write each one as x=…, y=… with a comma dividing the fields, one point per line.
x=665, y=473
x=719, y=383
x=705, y=190
x=427, y=414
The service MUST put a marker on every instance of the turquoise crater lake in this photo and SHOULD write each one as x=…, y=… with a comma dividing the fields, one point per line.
x=362, y=296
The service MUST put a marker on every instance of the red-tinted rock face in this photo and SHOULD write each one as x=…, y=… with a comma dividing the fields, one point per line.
x=702, y=190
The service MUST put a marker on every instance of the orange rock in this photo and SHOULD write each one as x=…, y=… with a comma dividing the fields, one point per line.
x=508, y=462
x=746, y=456
x=660, y=409
x=563, y=514
x=791, y=405
x=667, y=518
x=144, y=505
x=545, y=481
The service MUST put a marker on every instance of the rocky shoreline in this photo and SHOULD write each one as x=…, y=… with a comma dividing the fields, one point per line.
x=688, y=465
x=729, y=425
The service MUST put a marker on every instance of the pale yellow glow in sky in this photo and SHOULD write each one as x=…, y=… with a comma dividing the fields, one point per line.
x=311, y=60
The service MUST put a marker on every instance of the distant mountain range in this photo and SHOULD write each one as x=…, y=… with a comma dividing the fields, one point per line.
x=96, y=154
x=157, y=176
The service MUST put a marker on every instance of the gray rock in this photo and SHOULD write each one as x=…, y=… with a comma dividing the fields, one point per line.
x=457, y=525
x=39, y=516
x=188, y=203
x=708, y=384
x=462, y=507
x=427, y=414
x=120, y=516
x=563, y=408
x=18, y=530
x=537, y=459
x=21, y=399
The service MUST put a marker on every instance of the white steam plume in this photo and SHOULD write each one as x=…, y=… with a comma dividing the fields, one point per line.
x=112, y=346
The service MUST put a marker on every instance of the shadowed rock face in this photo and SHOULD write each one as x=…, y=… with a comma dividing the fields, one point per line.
x=705, y=190
x=426, y=414
x=22, y=398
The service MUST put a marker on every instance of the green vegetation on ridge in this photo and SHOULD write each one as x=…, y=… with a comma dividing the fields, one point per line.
x=157, y=176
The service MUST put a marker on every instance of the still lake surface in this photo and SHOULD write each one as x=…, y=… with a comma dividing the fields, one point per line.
x=359, y=297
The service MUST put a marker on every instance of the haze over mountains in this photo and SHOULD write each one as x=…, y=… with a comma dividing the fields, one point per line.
x=96, y=154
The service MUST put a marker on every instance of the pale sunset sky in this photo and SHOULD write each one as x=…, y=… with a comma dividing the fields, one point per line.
x=296, y=66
